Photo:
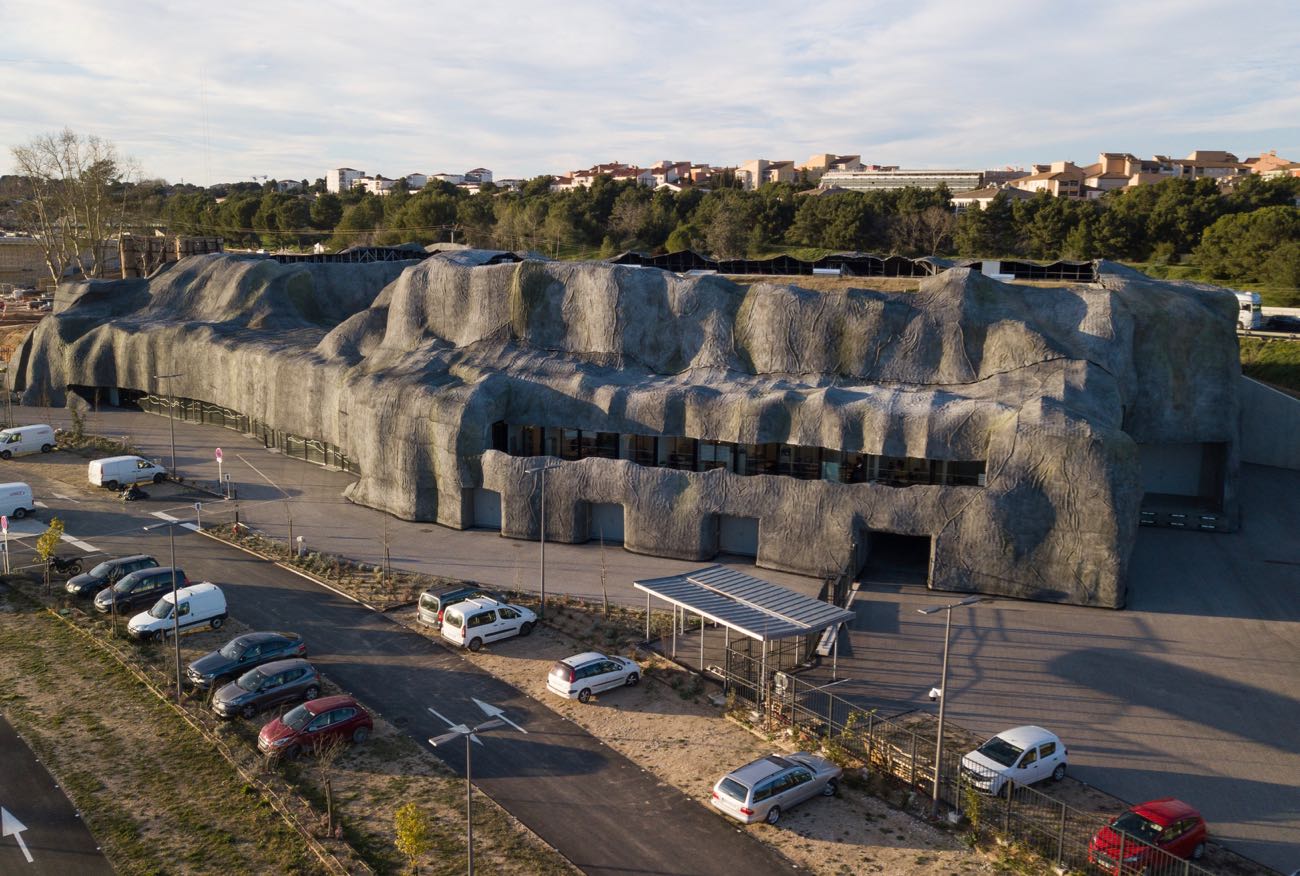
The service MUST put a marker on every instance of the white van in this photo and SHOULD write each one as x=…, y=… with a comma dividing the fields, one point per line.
x=475, y=622
x=26, y=439
x=201, y=604
x=117, y=471
x=16, y=501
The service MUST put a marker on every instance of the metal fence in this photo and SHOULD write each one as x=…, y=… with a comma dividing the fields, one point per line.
x=194, y=411
x=904, y=749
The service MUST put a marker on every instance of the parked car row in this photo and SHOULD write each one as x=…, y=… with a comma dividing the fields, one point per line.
x=111, y=472
x=125, y=585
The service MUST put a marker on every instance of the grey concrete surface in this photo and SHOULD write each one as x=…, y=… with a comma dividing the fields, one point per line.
x=599, y=809
x=56, y=838
x=1193, y=691
x=1270, y=422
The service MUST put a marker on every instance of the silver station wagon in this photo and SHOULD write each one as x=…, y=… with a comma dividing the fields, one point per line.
x=761, y=790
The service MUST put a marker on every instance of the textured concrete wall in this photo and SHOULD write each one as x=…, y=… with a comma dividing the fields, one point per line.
x=1270, y=424
x=407, y=366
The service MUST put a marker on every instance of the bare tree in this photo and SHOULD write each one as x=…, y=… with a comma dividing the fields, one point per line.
x=327, y=751
x=70, y=206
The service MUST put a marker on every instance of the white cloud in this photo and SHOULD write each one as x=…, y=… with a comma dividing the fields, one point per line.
x=290, y=89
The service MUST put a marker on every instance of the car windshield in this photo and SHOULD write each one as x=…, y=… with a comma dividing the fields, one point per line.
x=102, y=570
x=124, y=586
x=161, y=609
x=232, y=650
x=297, y=717
x=1000, y=751
x=250, y=680
x=733, y=789
x=1136, y=825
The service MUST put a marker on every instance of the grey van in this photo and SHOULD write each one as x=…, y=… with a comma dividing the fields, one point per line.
x=436, y=599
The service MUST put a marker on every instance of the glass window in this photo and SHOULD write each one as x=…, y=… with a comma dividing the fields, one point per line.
x=570, y=444
x=756, y=459
x=832, y=462
x=804, y=462
x=606, y=445
x=716, y=454
x=1047, y=750
x=681, y=452
x=1031, y=756
x=643, y=449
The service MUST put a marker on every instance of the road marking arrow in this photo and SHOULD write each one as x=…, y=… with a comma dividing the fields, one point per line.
x=493, y=712
x=10, y=825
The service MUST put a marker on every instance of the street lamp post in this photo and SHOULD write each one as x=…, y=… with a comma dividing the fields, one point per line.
x=943, y=689
x=496, y=718
x=171, y=414
x=176, y=605
x=540, y=472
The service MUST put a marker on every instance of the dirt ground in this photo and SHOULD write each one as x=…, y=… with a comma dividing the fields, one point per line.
x=682, y=737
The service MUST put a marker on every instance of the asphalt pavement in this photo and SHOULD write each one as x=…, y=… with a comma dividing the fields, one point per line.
x=40, y=830
x=599, y=809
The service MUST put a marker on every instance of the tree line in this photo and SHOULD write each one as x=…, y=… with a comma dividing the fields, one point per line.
x=1249, y=233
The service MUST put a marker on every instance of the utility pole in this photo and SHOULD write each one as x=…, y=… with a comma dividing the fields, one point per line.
x=943, y=689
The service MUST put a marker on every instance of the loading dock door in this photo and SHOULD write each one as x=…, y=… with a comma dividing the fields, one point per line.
x=487, y=509
x=607, y=522
x=738, y=535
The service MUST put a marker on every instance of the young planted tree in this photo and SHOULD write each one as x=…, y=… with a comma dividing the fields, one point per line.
x=47, y=544
x=414, y=834
x=327, y=751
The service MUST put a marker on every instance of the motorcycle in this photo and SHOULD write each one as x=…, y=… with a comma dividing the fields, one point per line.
x=132, y=494
x=61, y=566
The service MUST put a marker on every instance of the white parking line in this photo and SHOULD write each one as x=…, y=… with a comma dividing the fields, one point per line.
x=76, y=542
x=162, y=515
x=39, y=504
x=65, y=498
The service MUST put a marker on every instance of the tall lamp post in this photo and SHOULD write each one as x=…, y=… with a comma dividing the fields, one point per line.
x=176, y=605
x=540, y=471
x=171, y=413
x=496, y=718
x=943, y=688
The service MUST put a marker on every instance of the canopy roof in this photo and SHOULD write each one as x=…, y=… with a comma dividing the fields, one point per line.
x=757, y=608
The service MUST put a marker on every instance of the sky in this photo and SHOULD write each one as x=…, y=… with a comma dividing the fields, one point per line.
x=210, y=93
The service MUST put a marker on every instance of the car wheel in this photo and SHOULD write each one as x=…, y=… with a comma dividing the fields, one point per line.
x=360, y=735
x=293, y=752
x=831, y=788
x=45, y=448
x=475, y=644
x=216, y=622
x=1058, y=773
x=75, y=567
x=19, y=513
x=774, y=815
x=1198, y=852
x=111, y=485
x=584, y=695
x=249, y=711
x=632, y=679
x=159, y=478
x=5, y=454
x=311, y=693
x=526, y=628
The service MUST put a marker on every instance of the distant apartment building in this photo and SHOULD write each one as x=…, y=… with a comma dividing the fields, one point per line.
x=1065, y=179
x=1270, y=165
x=818, y=165
x=979, y=199
x=416, y=181
x=22, y=261
x=884, y=177
x=341, y=179
x=478, y=175
x=1203, y=163
x=1119, y=170
x=760, y=171
x=284, y=186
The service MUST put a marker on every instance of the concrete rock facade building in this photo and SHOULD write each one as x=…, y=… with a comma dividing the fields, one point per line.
x=1005, y=426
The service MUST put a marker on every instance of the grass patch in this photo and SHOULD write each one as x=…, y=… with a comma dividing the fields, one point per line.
x=1272, y=360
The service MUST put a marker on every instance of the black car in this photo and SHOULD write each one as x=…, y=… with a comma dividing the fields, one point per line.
x=139, y=590
x=108, y=573
x=241, y=654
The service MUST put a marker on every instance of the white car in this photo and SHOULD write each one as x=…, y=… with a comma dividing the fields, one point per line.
x=1023, y=755
x=580, y=676
x=476, y=622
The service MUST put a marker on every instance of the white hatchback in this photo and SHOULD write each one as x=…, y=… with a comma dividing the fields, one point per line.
x=1023, y=755
x=580, y=676
x=476, y=622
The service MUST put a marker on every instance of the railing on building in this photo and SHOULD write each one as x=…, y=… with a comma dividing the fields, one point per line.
x=903, y=748
x=195, y=411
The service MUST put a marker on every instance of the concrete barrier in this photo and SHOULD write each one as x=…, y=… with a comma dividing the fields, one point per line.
x=1270, y=422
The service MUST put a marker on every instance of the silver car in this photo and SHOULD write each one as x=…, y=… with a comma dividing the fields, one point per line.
x=761, y=790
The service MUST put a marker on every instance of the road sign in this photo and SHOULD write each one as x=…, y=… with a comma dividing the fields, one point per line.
x=217, y=454
x=10, y=826
x=4, y=523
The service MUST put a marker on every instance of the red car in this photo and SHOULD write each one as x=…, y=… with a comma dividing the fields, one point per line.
x=315, y=723
x=1165, y=825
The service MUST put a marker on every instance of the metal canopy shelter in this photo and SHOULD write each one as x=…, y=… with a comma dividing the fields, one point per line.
x=753, y=607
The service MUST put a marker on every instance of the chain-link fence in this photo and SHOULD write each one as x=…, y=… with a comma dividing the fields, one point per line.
x=904, y=748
